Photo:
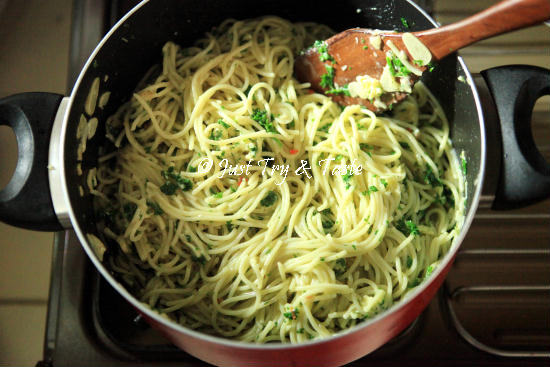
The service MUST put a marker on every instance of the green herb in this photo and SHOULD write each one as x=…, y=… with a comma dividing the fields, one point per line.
x=322, y=49
x=429, y=271
x=322, y=259
x=409, y=261
x=464, y=165
x=405, y=23
x=365, y=146
x=269, y=199
x=340, y=267
x=418, y=62
x=325, y=128
x=431, y=67
x=261, y=117
x=215, y=134
x=449, y=197
x=338, y=158
x=326, y=211
x=192, y=168
x=278, y=142
x=340, y=90
x=218, y=195
x=327, y=80
x=292, y=314
x=407, y=227
x=405, y=145
x=327, y=223
x=129, y=211
x=347, y=177
x=373, y=189
x=384, y=182
x=300, y=331
x=413, y=229
x=183, y=183
x=365, y=47
x=430, y=178
x=157, y=210
x=229, y=225
x=200, y=259
x=223, y=123
x=169, y=188
x=396, y=67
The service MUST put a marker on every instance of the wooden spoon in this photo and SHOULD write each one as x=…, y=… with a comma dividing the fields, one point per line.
x=351, y=53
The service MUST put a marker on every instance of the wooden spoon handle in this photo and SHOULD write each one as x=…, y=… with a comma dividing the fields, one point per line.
x=499, y=18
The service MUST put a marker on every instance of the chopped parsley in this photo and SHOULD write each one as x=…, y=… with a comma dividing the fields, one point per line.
x=407, y=227
x=292, y=314
x=129, y=211
x=326, y=211
x=396, y=67
x=157, y=210
x=327, y=80
x=269, y=199
x=409, y=261
x=340, y=90
x=223, y=123
x=464, y=165
x=215, y=134
x=346, y=178
x=169, y=188
x=340, y=267
x=404, y=22
x=229, y=225
x=325, y=128
x=327, y=223
x=261, y=117
x=384, y=182
x=405, y=145
x=183, y=183
x=429, y=271
x=199, y=259
x=365, y=147
x=430, y=178
x=322, y=49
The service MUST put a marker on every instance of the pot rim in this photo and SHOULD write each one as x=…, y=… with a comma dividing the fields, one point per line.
x=145, y=309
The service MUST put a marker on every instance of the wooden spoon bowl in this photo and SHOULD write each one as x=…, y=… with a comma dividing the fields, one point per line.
x=354, y=52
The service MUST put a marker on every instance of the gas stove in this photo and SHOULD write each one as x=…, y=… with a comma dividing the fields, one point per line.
x=494, y=308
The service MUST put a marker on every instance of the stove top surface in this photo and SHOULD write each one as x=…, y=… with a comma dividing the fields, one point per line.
x=493, y=309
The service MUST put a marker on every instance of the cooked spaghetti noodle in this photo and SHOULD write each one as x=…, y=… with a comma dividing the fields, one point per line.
x=287, y=250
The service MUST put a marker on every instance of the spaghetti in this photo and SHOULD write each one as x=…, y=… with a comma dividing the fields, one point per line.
x=262, y=253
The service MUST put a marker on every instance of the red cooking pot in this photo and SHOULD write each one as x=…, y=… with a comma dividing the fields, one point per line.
x=44, y=192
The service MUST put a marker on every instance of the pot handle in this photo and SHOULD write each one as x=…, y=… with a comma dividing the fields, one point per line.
x=26, y=202
x=525, y=174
